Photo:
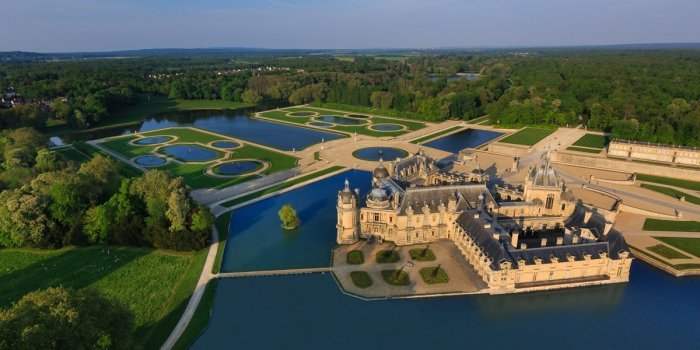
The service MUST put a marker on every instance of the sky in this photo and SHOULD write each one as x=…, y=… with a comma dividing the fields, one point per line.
x=103, y=25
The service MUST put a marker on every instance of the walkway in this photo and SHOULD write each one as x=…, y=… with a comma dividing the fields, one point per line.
x=265, y=273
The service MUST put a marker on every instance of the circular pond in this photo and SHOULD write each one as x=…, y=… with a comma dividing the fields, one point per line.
x=358, y=116
x=225, y=144
x=190, y=153
x=374, y=153
x=321, y=124
x=153, y=140
x=238, y=167
x=301, y=114
x=150, y=160
x=340, y=120
x=386, y=127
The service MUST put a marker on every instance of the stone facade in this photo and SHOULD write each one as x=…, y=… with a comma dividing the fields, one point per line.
x=534, y=239
x=685, y=156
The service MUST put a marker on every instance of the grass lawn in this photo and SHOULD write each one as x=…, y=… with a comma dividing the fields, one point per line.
x=355, y=257
x=222, y=222
x=388, y=256
x=593, y=141
x=671, y=225
x=434, y=275
x=154, y=284
x=675, y=266
x=587, y=150
x=281, y=186
x=200, y=319
x=72, y=154
x=396, y=277
x=370, y=110
x=687, y=184
x=666, y=252
x=151, y=106
x=436, y=135
x=361, y=279
x=422, y=254
x=528, y=136
x=672, y=192
x=689, y=245
x=194, y=174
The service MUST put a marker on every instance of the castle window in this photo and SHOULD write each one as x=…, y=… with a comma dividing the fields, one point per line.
x=376, y=216
x=390, y=218
x=563, y=206
x=550, y=202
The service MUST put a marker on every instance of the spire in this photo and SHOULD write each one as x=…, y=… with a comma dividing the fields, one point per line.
x=347, y=186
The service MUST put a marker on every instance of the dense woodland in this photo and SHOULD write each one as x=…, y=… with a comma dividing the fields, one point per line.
x=642, y=95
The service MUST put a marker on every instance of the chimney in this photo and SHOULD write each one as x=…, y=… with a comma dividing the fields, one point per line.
x=543, y=242
x=607, y=228
x=587, y=216
x=476, y=215
x=523, y=246
x=575, y=239
x=514, y=235
x=496, y=236
x=560, y=240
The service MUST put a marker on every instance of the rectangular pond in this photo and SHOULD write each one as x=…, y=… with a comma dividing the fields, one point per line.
x=468, y=138
x=654, y=311
x=257, y=242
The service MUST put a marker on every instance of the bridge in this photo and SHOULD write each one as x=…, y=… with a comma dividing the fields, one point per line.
x=266, y=273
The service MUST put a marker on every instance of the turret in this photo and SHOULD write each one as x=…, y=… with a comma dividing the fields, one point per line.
x=348, y=227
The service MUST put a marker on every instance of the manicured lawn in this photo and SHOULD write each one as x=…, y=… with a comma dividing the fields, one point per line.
x=200, y=319
x=194, y=174
x=72, y=154
x=528, y=136
x=396, y=277
x=370, y=110
x=222, y=223
x=672, y=192
x=436, y=135
x=671, y=225
x=478, y=120
x=667, y=252
x=689, y=245
x=587, y=150
x=434, y=275
x=687, y=184
x=355, y=257
x=154, y=284
x=388, y=256
x=281, y=186
x=422, y=254
x=361, y=279
x=593, y=141
x=677, y=266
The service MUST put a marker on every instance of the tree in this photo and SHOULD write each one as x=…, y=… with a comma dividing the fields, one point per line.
x=97, y=224
x=102, y=174
x=178, y=209
x=58, y=318
x=47, y=161
x=250, y=96
x=24, y=221
x=288, y=217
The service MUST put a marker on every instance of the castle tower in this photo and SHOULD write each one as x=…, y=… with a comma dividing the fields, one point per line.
x=348, y=228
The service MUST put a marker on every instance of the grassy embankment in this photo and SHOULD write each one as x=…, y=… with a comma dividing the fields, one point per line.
x=154, y=284
x=436, y=135
x=528, y=136
x=687, y=184
x=671, y=225
x=200, y=319
x=194, y=174
x=688, y=245
x=667, y=252
x=590, y=143
x=672, y=192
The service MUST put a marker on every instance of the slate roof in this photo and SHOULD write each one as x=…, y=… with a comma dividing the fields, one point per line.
x=467, y=197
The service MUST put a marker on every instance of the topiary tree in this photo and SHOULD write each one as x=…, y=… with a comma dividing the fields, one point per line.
x=289, y=217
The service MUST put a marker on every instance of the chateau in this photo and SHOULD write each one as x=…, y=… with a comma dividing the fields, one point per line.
x=532, y=237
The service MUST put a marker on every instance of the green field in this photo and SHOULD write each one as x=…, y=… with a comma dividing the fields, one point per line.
x=370, y=110
x=436, y=135
x=281, y=115
x=154, y=284
x=666, y=252
x=689, y=245
x=194, y=174
x=687, y=184
x=582, y=149
x=672, y=192
x=150, y=106
x=528, y=136
x=200, y=319
x=671, y=225
x=593, y=141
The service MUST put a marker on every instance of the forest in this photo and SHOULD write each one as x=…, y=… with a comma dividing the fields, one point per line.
x=640, y=95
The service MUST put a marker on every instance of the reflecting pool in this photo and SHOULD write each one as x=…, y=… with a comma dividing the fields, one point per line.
x=340, y=120
x=238, y=167
x=321, y=124
x=257, y=242
x=153, y=140
x=190, y=153
x=225, y=144
x=386, y=127
x=468, y=138
x=361, y=116
x=653, y=311
x=150, y=160
x=374, y=153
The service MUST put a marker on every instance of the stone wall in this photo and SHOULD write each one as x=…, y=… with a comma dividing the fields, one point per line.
x=657, y=153
x=577, y=159
x=509, y=149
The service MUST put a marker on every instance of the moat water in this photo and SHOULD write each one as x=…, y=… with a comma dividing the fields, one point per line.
x=257, y=242
x=653, y=311
x=468, y=138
